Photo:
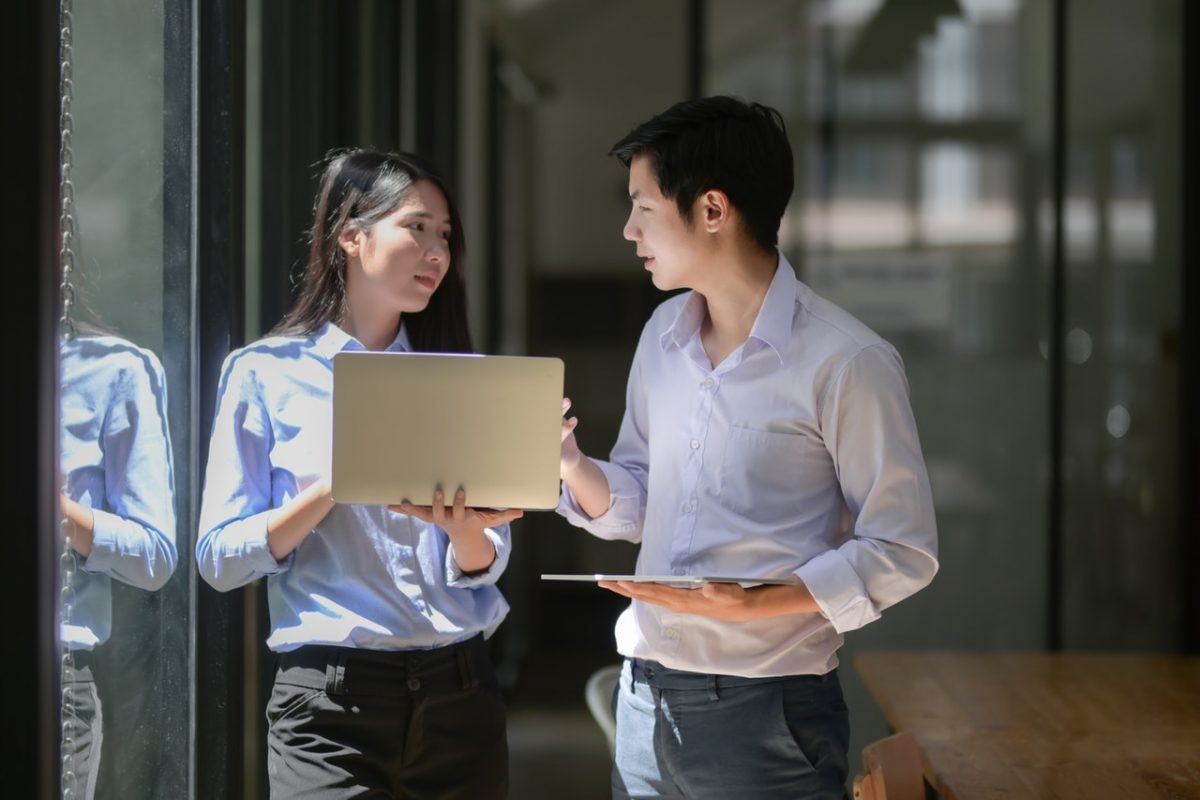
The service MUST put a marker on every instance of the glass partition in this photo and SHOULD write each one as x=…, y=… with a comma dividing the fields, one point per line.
x=125, y=399
x=927, y=134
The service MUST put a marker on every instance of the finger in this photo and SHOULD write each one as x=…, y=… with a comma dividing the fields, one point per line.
x=494, y=518
x=566, y=404
x=614, y=587
x=439, y=508
x=646, y=594
x=722, y=591
x=460, y=505
x=423, y=513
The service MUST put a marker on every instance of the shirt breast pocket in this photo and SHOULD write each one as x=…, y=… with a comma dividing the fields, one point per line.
x=767, y=475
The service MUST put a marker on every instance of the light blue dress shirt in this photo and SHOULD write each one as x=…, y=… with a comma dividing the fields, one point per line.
x=366, y=576
x=796, y=455
x=116, y=459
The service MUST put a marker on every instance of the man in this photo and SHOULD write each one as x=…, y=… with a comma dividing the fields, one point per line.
x=767, y=434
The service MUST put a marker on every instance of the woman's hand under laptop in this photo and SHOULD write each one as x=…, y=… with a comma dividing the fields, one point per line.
x=473, y=551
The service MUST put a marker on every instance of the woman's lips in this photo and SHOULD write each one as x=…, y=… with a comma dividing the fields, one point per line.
x=429, y=281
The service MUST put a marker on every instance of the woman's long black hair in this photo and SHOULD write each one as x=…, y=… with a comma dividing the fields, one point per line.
x=358, y=188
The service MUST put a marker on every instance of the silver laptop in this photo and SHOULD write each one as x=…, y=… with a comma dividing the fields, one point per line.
x=405, y=423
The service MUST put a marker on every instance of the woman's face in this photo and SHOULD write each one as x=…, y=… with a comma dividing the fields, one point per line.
x=402, y=259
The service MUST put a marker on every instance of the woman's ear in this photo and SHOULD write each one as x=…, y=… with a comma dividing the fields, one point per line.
x=715, y=210
x=349, y=241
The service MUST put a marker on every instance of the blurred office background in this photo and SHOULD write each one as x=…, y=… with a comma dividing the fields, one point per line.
x=998, y=187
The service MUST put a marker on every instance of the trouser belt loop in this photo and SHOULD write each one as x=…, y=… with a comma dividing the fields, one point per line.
x=335, y=674
x=339, y=676
x=713, y=694
x=330, y=676
x=463, y=655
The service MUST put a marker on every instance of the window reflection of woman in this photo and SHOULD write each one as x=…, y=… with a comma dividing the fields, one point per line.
x=379, y=617
x=118, y=507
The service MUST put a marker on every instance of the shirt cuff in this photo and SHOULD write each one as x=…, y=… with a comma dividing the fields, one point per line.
x=839, y=591
x=106, y=542
x=612, y=524
x=457, y=579
x=249, y=547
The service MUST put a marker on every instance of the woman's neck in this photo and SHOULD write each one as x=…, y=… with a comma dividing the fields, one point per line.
x=375, y=330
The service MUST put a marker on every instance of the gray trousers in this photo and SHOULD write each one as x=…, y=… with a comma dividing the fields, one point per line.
x=715, y=737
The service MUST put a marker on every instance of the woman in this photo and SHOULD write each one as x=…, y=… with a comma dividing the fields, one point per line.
x=379, y=614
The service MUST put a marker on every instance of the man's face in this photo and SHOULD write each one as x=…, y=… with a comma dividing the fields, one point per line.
x=672, y=251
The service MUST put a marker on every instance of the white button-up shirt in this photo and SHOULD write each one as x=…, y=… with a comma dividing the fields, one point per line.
x=795, y=456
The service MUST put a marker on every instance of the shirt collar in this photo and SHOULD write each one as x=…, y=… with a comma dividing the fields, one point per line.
x=772, y=326
x=329, y=340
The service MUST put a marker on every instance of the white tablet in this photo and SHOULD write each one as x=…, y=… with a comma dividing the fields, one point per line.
x=686, y=581
x=406, y=423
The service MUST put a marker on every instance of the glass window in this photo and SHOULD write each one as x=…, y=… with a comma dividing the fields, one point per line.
x=125, y=400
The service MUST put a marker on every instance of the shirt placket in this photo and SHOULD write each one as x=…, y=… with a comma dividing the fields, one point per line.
x=688, y=510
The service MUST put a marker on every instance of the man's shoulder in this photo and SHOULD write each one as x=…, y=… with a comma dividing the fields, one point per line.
x=830, y=329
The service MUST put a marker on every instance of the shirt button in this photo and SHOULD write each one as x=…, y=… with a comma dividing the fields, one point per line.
x=695, y=444
x=670, y=633
x=687, y=508
x=680, y=571
x=708, y=383
x=413, y=684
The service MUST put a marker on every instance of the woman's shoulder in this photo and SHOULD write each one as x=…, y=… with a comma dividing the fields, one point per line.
x=264, y=357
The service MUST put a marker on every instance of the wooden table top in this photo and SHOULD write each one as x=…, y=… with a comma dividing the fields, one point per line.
x=1046, y=725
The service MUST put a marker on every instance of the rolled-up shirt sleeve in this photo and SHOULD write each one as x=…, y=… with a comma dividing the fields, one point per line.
x=870, y=432
x=501, y=539
x=626, y=471
x=133, y=540
x=231, y=549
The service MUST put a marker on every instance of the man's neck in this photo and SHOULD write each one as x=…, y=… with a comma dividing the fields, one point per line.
x=734, y=295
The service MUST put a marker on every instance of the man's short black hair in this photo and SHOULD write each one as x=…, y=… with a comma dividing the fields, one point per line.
x=720, y=143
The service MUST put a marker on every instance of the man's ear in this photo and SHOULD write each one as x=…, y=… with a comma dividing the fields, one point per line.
x=715, y=210
x=348, y=240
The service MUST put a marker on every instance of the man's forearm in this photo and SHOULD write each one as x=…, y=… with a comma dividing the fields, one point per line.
x=589, y=486
x=776, y=601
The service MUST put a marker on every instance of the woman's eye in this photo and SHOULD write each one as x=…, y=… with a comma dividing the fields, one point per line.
x=446, y=235
x=417, y=226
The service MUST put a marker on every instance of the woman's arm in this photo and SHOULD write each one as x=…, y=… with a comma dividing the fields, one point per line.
x=82, y=523
x=291, y=524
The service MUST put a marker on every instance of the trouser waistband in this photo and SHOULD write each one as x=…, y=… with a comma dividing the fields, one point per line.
x=654, y=674
x=349, y=670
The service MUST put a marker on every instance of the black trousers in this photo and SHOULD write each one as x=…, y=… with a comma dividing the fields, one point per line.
x=83, y=728
x=412, y=724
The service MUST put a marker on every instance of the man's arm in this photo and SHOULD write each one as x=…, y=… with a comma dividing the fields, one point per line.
x=586, y=481
x=869, y=430
x=726, y=601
